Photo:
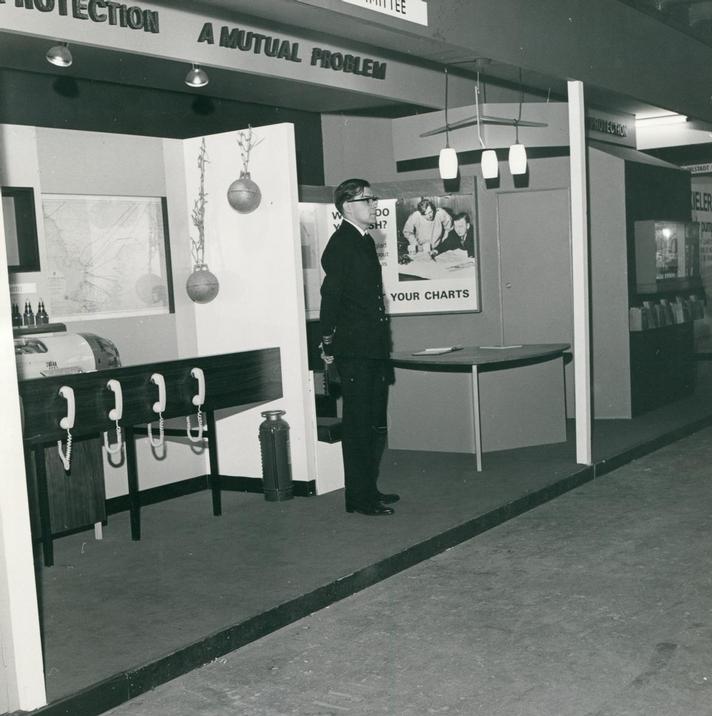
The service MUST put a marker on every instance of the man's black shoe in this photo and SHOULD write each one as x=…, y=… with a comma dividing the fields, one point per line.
x=375, y=508
x=387, y=498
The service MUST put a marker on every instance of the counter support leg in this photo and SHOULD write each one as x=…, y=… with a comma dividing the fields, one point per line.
x=476, y=417
x=43, y=500
x=132, y=470
x=214, y=476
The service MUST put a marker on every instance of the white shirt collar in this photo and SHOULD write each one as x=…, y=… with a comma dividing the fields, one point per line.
x=361, y=231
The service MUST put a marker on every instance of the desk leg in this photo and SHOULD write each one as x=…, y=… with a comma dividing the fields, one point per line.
x=476, y=416
x=132, y=470
x=214, y=477
x=43, y=504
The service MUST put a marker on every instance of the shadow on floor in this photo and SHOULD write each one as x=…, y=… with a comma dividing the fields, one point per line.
x=120, y=617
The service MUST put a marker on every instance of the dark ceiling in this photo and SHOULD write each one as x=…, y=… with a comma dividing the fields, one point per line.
x=310, y=17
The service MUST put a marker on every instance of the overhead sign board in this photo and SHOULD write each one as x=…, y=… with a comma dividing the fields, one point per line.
x=698, y=169
x=615, y=128
x=410, y=10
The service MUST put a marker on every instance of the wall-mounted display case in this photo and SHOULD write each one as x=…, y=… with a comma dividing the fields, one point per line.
x=667, y=256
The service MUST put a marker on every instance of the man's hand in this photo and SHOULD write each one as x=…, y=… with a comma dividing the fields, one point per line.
x=327, y=349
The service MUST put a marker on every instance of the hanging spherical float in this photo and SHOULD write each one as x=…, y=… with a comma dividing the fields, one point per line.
x=243, y=194
x=202, y=285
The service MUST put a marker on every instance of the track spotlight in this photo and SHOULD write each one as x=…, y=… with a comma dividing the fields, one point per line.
x=59, y=55
x=196, y=77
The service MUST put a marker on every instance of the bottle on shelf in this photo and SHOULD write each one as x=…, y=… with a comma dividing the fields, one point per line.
x=42, y=318
x=16, y=316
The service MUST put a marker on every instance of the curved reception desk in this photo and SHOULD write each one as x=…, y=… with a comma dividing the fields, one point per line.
x=478, y=398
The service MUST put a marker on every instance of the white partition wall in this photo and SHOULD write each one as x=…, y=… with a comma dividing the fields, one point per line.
x=257, y=260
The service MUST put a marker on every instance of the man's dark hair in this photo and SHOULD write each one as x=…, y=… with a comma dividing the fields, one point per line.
x=424, y=205
x=347, y=190
x=462, y=215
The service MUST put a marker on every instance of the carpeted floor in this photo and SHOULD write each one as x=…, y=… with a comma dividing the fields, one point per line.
x=120, y=617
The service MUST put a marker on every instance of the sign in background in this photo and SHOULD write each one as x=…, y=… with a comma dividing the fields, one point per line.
x=410, y=10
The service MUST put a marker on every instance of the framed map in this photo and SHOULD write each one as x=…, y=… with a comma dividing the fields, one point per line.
x=107, y=256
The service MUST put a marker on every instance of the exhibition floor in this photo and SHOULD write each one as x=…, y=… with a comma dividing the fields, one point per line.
x=593, y=604
x=120, y=617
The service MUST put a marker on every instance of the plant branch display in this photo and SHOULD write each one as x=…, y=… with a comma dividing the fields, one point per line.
x=202, y=286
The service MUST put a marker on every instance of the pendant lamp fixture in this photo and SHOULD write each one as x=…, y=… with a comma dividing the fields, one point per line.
x=59, y=55
x=488, y=162
x=196, y=77
x=447, y=162
x=517, y=151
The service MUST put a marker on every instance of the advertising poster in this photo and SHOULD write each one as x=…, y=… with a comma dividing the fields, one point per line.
x=427, y=246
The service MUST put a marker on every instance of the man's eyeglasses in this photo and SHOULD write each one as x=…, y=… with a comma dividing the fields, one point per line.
x=369, y=199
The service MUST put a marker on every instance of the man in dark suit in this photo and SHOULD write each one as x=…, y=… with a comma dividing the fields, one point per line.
x=462, y=236
x=356, y=337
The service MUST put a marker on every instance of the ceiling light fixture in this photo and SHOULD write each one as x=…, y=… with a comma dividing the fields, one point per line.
x=196, y=77
x=447, y=162
x=59, y=55
x=488, y=160
x=517, y=151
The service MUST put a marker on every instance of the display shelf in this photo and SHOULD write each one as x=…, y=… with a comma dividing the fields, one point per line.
x=662, y=365
x=33, y=330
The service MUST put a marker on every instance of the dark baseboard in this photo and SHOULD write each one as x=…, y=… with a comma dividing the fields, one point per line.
x=613, y=463
x=162, y=493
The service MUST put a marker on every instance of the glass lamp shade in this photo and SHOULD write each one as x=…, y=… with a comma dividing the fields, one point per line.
x=490, y=165
x=197, y=77
x=59, y=55
x=517, y=159
x=448, y=163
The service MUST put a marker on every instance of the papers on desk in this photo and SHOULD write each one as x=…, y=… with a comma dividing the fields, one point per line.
x=498, y=348
x=437, y=351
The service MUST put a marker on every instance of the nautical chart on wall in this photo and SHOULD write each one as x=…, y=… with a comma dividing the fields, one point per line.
x=107, y=256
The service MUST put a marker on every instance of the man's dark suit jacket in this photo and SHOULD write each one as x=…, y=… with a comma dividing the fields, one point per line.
x=452, y=241
x=352, y=307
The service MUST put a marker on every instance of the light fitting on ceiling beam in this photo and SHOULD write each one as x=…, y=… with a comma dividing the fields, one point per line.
x=517, y=151
x=59, y=55
x=488, y=161
x=517, y=159
x=196, y=77
x=489, y=164
x=447, y=161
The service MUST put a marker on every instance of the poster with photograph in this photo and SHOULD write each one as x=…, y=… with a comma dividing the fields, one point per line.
x=427, y=246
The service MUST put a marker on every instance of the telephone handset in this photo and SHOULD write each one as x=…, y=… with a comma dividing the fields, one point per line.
x=66, y=423
x=67, y=393
x=115, y=414
x=158, y=407
x=198, y=400
x=199, y=397
x=118, y=410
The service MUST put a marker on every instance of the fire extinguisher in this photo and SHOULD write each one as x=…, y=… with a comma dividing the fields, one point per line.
x=276, y=461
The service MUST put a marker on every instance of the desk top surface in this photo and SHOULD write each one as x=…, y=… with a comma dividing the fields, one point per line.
x=481, y=355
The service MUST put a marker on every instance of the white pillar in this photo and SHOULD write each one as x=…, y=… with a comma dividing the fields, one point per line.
x=21, y=670
x=579, y=262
